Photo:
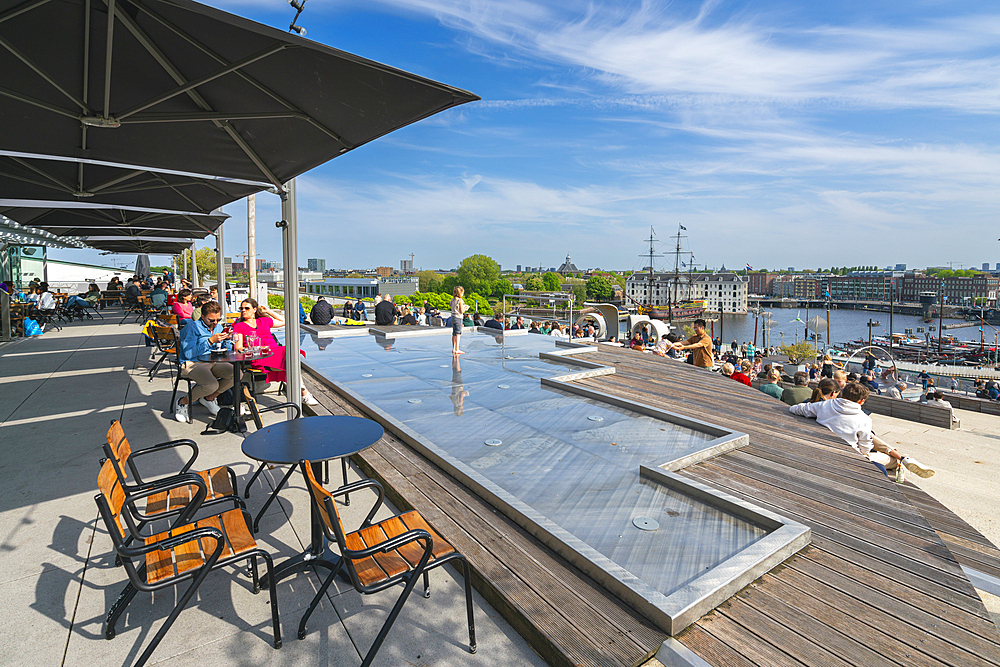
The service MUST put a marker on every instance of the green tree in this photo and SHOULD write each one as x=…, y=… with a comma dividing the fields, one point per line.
x=534, y=284
x=449, y=284
x=599, y=288
x=354, y=274
x=552, y=281
x=800, y=352
x=477, y=273
x=579, y=295
x=501, y=287
x=426, y=278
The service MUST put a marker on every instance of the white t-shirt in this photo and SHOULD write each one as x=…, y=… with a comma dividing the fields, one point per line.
x=46, y=301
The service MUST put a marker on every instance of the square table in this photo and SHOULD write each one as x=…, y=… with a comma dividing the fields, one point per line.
x=313, y=439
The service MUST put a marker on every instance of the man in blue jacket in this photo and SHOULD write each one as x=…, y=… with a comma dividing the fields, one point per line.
x=211, y=379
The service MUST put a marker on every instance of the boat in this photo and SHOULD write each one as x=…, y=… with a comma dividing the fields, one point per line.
x=688, y=310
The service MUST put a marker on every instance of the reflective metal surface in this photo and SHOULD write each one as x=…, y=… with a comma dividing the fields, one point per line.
x=573, y=459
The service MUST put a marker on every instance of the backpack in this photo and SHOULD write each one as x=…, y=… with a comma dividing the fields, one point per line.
x=225, y=421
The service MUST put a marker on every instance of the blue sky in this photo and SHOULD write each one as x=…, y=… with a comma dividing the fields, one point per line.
x=779, y=134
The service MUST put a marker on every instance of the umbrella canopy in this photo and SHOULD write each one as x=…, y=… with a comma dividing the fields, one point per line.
x=131, y=246
x=173, y=84
x=12, y=233
x=43, y=177
x=142, y=265
x=91, y=218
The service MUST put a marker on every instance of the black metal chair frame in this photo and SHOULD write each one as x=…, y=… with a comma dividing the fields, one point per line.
x=163, y=346
x=137, y=578
x=177, y=380
x=408, y=578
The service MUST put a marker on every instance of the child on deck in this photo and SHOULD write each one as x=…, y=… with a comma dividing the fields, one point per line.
x=845, y=417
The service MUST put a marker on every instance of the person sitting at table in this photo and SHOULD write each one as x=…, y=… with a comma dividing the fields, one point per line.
x=115, y=284
x=158, y=297
x=258, y=320
x=46, y=302
x=86, y=299
x=211, y=378
x=183, y=308
x=132, y=293
x=200, y=301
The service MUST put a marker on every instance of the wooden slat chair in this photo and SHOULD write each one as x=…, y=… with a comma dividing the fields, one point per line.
x=377, y=556
x=188, y=551
x=220, y=482
x=169, y=319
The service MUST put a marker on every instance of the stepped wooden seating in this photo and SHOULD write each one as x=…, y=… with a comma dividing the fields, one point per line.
x=398, y=550
x=219, y=483
x=187, y=551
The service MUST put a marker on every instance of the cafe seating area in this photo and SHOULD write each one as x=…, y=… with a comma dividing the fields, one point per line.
x=134, y=501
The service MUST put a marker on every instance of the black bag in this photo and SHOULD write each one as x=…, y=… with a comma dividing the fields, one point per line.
x=224, y=422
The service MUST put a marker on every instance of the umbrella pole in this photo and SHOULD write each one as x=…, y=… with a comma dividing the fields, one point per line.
x=194, y=268
x=289, y=242
x=220, y=269
x=252, y=244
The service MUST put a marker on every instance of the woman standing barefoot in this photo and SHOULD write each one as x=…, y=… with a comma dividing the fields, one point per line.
x=458, y=309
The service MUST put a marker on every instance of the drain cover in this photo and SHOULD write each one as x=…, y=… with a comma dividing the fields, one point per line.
x=503, y=386
x=413, y=400
x=494, y=443
x=645, y=523
x=366, y=375
x=595, y=418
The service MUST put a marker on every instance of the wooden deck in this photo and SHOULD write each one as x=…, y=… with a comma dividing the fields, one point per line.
x=880, y=585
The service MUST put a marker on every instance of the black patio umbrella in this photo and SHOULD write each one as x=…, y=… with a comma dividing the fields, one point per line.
x=90, y=218
x=142, y=265
x=173, y=84
x=130, y=246
x=50, y=178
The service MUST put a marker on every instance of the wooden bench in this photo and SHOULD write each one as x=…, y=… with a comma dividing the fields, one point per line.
x=963, y=402
x=931, y=415
x=114, y=296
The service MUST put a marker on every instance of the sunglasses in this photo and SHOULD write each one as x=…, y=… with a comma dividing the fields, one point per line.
x=246, y=307
x=215, y=321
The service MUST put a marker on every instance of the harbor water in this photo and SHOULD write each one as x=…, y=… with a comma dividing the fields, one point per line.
x=845, y=326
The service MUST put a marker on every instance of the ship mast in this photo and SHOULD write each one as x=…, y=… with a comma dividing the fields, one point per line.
x=650, y=277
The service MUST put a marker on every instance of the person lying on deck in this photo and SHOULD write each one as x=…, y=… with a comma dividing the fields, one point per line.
x=845, y=417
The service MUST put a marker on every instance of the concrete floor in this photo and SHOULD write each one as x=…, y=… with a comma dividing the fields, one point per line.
x=965, y=461
x=58, y=394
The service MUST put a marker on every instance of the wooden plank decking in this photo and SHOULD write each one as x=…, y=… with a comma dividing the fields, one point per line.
x=877, y=586
x=880, y=584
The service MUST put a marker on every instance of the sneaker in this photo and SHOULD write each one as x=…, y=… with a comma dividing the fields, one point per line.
x=917, y=467
x=211, y=406
x=900, y=474
x=309, y=399
x=181, y=412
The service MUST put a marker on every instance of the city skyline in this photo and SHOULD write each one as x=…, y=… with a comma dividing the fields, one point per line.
x=778, y=136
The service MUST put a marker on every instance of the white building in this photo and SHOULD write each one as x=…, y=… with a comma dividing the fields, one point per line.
x=362, y=287
x=726, y=290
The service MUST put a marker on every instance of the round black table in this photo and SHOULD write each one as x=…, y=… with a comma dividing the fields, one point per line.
x=313, y=439
x=237, y=359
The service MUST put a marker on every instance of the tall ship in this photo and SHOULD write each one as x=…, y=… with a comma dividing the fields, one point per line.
x=672, y=308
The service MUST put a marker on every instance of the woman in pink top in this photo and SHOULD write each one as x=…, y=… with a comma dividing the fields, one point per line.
x=256, y=320
x=182, y=307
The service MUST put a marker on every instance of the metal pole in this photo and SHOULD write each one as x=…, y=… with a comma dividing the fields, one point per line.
x=252, y=245
x=220, y=269
x=45, y=263
x=194, y=268
x=892, y=300
x=5, y=333
x=940, y=315
x=289, y=242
